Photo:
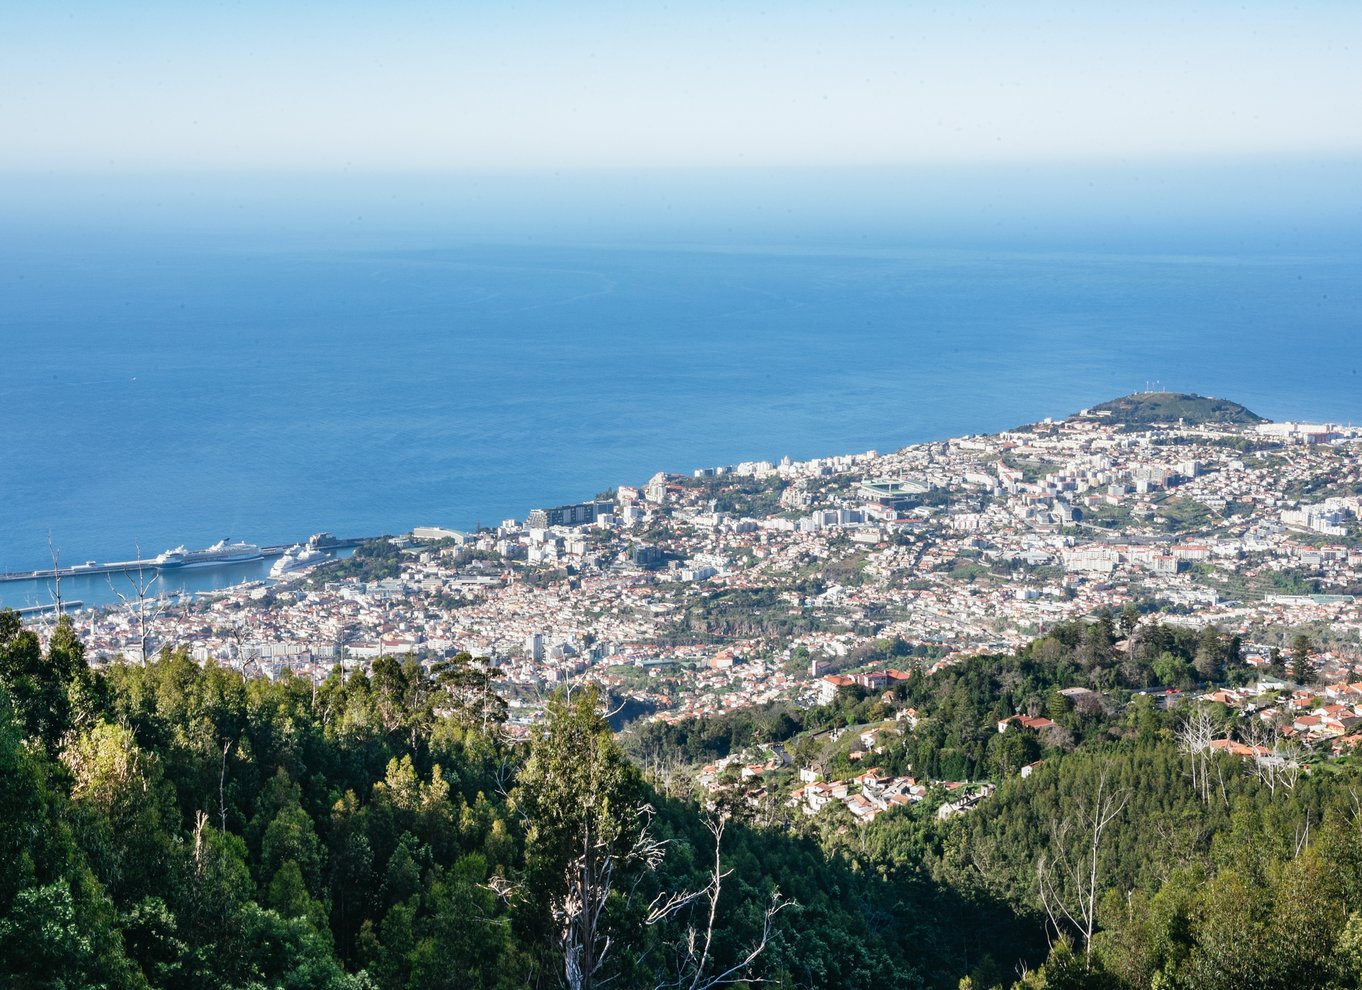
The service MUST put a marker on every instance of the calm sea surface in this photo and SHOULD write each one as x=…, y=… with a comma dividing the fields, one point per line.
x=159, y=395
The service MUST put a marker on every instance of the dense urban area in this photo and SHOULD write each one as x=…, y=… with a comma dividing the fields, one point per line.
x=739, y=585
x=1070, y=705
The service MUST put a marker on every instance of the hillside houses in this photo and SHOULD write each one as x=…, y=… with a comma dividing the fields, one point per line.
x=866, y=795
x=953, y=547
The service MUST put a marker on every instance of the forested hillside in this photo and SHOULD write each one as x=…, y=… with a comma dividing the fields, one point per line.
x=179, y=826
x=1169, y=407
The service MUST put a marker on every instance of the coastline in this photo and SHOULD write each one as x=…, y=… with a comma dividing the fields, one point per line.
x=520, y=387
x=95, y=584
x=730, y=574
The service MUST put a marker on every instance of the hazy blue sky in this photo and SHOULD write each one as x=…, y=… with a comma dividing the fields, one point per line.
x=442, y=84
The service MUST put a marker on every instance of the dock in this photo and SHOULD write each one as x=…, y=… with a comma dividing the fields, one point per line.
x=133, y=566
x=29, y=611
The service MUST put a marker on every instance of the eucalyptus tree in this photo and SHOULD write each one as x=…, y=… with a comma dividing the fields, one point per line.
x=586, y=820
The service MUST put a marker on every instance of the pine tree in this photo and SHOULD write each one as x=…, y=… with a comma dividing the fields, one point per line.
x=1209, y=654
x=1302, y=671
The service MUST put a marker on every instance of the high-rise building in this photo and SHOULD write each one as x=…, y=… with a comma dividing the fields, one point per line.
x=568, y=515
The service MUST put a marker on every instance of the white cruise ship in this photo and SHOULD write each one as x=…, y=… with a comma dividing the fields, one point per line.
x=299, y=558
x=220, y=552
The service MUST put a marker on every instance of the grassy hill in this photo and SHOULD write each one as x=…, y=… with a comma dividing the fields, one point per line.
x=1169, y=407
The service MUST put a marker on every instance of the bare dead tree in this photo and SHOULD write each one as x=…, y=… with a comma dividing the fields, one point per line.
x=1302, y=837
x=236, y=632
x=1277, y=761
x=222, y=785
x=142, y=605
x=694, y=955
x=486, y=700
x=55, y=554
x=247, y=649
x=44, y=618
x=1260, y=737
x=1068, y=871
x=591, y=876
x=503, y=777
x=1195, y=736
x=1290, y=757
x=661, y=770
x=200, y=820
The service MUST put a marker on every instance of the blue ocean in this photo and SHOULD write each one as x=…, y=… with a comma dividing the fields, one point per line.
x=172, y=390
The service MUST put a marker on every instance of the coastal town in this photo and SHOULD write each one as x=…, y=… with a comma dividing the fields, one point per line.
x=699, y=593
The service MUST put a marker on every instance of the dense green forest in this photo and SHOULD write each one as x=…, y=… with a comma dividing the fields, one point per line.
x=173, y=825
x=178, y=825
